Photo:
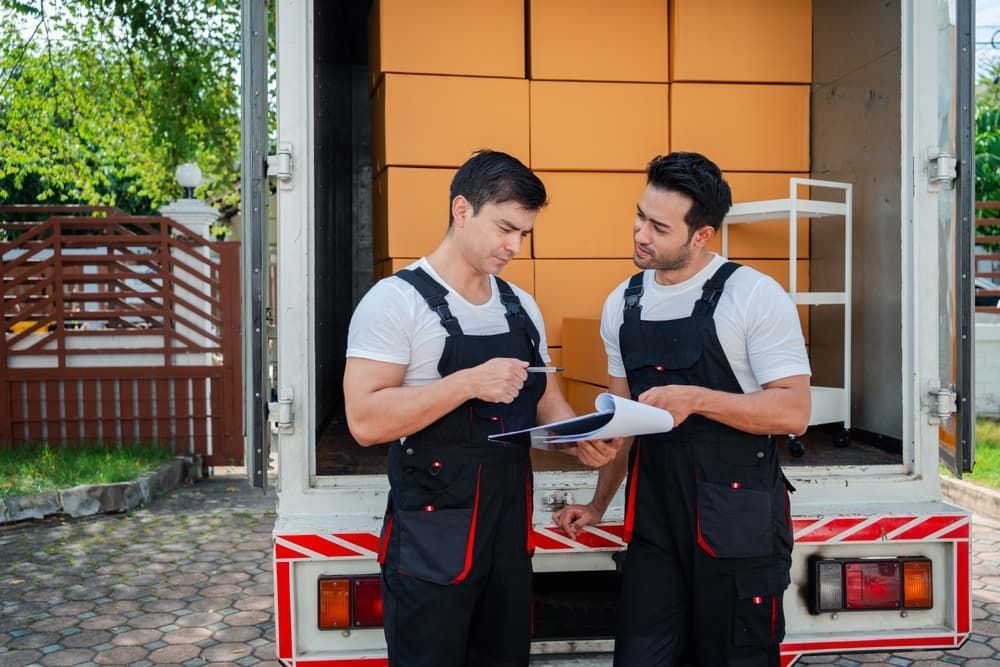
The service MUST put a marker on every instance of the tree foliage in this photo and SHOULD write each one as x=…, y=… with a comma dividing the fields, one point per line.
x=100, y=100
x=988, y=145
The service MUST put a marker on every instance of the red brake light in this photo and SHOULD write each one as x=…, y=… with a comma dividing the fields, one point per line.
x=367, y=602
x=872, y=584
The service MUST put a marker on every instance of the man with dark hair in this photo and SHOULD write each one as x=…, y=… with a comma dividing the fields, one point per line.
x=720, y=347
x=439, y=355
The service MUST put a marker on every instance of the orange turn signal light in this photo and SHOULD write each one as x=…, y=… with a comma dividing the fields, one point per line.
x=334, y=603
x=917, y=584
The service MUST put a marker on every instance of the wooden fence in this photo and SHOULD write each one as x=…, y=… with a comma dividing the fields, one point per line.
x=120, y=329
x=992, y=258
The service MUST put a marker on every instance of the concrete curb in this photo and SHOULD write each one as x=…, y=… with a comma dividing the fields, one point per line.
x=89, y=499
x=977, y=499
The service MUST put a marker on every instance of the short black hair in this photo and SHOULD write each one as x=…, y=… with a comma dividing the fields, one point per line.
x=494, y=176
x=699, y=178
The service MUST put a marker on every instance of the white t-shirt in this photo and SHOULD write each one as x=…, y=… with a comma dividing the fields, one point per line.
x=393, y=323
x=756, y=322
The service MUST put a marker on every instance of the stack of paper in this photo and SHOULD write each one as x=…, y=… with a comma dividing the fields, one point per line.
x=614, y=417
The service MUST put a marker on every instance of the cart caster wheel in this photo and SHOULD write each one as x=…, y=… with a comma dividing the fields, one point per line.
x=795, y=447
x=842, y=438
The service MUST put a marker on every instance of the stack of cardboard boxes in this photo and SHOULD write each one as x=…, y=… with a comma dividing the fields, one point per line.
x=585, y=92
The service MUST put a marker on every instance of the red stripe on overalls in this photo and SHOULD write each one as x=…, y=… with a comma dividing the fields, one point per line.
x=471, y=543
x=383, y=545
x=630, y=504
x=530, y=510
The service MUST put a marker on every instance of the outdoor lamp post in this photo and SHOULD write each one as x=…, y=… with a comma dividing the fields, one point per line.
x=188, y=176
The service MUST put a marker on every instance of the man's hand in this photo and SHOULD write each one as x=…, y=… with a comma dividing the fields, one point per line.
x=681, y=401
x=596, y=453
x=573, y=518
x=498, y=380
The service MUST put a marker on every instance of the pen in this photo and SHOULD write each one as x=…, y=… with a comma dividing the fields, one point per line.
x=544, y=369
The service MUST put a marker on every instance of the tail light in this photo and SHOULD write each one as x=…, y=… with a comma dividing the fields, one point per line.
x=349, y=602
x=856, y=584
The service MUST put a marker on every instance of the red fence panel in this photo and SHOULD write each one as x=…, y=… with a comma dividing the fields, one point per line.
x=120, y=329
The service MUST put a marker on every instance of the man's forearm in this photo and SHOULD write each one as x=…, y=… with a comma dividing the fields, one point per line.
x=395, y=412
x=771, y=410
x=609, y=479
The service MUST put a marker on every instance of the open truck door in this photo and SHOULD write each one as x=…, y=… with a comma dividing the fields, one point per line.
x=253, y=205
x=951, y=175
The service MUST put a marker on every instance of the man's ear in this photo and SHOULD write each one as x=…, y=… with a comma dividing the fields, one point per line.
x=461, y=210
x=703, y=236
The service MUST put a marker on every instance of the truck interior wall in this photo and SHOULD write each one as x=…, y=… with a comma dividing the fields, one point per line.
x=342, y=146
x=856, y=138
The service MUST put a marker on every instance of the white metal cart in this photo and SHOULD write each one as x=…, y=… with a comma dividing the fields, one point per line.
x=829, y=404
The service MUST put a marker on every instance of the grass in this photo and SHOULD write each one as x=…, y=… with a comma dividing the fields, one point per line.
x=32, y=469
x=987, y=468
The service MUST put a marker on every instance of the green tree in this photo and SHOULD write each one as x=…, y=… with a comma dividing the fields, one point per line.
x=101, y=99
x=988, y=145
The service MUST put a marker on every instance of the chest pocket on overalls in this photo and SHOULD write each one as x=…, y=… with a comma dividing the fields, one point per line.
x=488, y=419
x=646, y=370
x=436, y=503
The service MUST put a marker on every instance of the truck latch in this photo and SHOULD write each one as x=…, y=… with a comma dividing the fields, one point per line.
x=280, y=414
x=943, y=403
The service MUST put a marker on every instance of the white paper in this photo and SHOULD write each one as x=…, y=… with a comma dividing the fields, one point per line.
x=614, y=417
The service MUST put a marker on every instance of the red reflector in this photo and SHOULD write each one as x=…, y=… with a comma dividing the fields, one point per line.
x=367, y=602
x=758, y=599
x=872, y=584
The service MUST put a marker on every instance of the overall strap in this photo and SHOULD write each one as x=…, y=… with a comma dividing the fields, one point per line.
x=434, y=294
x=633, y=293
x=710, y=293
x=514, y=310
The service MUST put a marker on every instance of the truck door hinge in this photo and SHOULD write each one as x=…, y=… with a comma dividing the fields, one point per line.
x=279, y=165
x=942, y=170
x=943, y=402
x=280, y=414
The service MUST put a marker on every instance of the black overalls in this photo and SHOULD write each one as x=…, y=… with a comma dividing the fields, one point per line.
x=706, y=510
x=456, y=544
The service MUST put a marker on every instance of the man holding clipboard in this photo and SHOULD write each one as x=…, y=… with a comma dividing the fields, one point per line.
x=443, y=355
x=719, y=346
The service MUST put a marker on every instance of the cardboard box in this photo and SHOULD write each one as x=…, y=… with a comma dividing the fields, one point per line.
x=446, y=37
x=596, y=40
x=575, y=288
x=749, y=40
x=584, y=357
x=589, y=214
x=597, y=126
x=521, y=272
x=742, y=127
x=440, y=121
x=762, y=240
x=581, y=396
x=409, y=211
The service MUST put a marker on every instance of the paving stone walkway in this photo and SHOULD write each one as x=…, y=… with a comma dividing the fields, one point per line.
x=187, y=581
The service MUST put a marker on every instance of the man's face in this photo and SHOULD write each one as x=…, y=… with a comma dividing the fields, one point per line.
x=493, y=236
x=662, y=239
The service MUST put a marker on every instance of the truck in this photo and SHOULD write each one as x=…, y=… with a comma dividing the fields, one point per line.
x=845, y=130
